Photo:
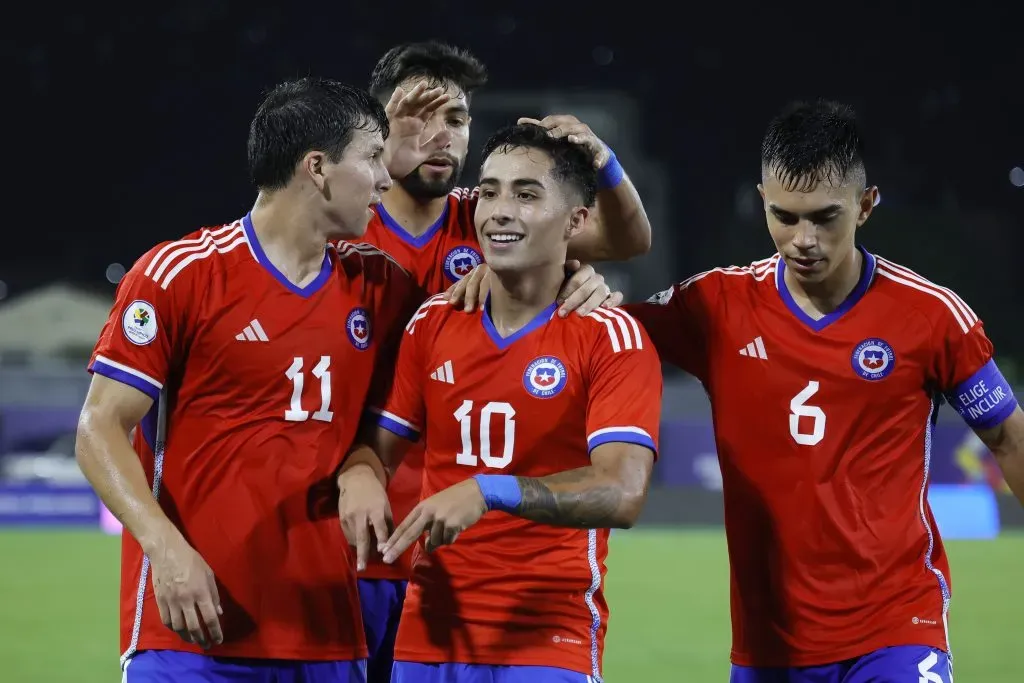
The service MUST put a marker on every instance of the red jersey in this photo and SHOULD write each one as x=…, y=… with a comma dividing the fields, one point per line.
x=258, y=387
x=441, y=256
x=824, y=435
x=511, y=591
x=437, y=259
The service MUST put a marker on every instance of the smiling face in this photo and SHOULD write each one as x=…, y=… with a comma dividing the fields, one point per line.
x=525, y=216
x=814, y=226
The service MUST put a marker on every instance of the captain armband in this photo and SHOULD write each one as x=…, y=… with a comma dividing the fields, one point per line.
x=985, y=399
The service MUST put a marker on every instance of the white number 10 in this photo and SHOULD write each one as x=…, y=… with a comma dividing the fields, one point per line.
x=295, y=413
x=464, y=415
x=798, y=408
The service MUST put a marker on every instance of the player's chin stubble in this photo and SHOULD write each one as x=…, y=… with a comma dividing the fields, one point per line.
x=419, y=188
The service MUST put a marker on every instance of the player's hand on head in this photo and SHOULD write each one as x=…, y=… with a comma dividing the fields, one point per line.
x=441, y=518
x=186, y=593
x=471, y=290
x=409, y=143
x=364, y=512
x=585, y=290
x=575, y=131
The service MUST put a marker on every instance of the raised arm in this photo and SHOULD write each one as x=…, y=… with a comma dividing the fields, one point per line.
x=619, y=229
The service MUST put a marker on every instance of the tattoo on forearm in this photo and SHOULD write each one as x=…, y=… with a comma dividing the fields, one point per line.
x=566, y=499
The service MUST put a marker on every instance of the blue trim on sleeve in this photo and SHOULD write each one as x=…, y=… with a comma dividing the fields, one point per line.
x=621, y=437
x=398, y=428
x=118, y=375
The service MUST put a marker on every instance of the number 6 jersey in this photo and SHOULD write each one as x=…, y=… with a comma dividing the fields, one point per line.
x=824, y=434
x=262, y=385
x=511, y=591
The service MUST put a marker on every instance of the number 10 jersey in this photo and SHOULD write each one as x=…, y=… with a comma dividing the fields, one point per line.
x=823, y=430
x=511, y=591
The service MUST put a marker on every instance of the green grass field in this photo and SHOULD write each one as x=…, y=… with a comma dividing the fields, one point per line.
x=668, y=592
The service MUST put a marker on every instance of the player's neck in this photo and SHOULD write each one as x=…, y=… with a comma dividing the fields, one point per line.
x=821, y=298
x=414, y=215
x=517, y=298
x=284, y=232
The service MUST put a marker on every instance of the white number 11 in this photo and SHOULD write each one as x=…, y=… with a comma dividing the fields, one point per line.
x=295, y=413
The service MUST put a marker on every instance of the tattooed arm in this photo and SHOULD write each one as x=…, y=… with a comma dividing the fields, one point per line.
x=609, y=493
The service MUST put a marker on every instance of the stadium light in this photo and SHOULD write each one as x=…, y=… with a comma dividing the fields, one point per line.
x=115, y=271
x=1017, y=176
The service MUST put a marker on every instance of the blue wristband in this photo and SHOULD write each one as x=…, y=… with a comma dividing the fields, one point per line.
x=611, y=174
x=501, y=491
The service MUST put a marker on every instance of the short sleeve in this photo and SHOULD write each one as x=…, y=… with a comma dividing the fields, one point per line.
x=965, y=371
x=402, y=296
x=141, y=340
x=625, y=385
x=678, y=320
x=402, y=412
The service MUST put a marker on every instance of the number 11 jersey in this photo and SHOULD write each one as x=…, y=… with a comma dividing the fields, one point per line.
x=824, y=434
x=260, y=385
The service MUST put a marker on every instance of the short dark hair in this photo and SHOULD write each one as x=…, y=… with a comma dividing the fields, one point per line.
x=308, y=114
x=572, y=164
x=437, y=62
x=809, y=143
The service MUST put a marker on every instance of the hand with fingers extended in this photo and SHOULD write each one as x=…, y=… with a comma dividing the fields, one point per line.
x=186, y=593
x=442, y=517
x=584, y=291
x=577, y=132
x=410, y=143
x=364, y=512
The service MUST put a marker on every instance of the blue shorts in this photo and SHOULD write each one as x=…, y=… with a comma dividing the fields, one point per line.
x=381, y=603
x=415, y=672
x=169, y=666
x=899, y=664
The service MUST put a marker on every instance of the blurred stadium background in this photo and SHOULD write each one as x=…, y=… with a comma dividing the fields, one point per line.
x=130, y=128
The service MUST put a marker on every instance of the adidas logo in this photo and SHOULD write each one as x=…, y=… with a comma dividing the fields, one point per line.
x=755, y=349
x=444, y=373
x=252, y=332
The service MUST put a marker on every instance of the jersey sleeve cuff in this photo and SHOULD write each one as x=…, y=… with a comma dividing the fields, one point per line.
x=127, y=375
x=633, y=435
x=395, y=424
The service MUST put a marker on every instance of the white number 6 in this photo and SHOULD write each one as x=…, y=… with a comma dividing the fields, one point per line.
x=798, y=408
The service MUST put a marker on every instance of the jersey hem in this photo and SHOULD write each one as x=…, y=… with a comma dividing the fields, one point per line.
x=740, y=658
x=320, y=654
x=495, y=658
x=383, y=573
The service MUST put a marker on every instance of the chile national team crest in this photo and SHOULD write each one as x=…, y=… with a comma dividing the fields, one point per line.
x=460, y=261
x=873, y=359
x=357, y=325
x=544, y=377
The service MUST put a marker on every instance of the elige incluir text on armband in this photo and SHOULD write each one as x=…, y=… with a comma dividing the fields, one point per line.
x=985, y=399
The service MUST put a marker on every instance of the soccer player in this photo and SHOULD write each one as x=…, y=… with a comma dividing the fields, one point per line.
x=245, y=352
x=825, y=365
x=540, y=434
x=426, y=222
